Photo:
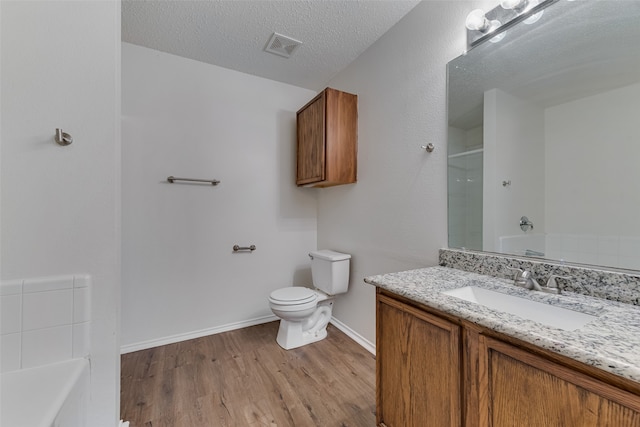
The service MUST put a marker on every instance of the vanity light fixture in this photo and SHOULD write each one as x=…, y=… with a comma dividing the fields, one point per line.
x=477, y=21
x=493, y=24
x=523, y=6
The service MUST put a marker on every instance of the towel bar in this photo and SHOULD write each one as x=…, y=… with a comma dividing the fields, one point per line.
x=171, y=179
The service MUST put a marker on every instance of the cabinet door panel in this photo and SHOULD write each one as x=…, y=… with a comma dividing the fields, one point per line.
x=311, y=142
x=418, y=365
x=341, y=136
x=524, y=389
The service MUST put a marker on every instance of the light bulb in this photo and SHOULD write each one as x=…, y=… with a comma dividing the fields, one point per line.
x=476, y=21
x=533, y=18
x=513, y=4
x=523, y=6
x=496, y=39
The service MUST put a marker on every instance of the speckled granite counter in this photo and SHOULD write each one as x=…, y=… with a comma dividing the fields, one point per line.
x=611, y=342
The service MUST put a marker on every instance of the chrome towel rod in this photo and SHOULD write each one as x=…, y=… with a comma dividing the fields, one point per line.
x=171, y=179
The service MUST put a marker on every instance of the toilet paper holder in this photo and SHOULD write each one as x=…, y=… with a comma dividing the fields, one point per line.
x=63, y=138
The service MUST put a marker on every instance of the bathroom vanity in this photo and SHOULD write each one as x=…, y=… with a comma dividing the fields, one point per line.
x=466, y=347
x=446, y=361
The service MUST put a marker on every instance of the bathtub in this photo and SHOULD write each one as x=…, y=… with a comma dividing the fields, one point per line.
x=46, y=396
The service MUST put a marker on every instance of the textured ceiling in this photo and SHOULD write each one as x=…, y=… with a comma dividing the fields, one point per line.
x=234, y=33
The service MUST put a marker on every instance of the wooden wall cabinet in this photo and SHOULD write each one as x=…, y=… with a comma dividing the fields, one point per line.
x=433, y=369
x=328, y=140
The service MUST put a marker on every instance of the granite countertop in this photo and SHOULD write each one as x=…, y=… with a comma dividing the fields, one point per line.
x=611, y=342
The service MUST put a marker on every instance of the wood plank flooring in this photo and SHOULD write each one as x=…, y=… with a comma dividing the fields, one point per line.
x=242, y=378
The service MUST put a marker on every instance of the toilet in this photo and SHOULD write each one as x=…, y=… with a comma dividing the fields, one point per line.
x=304, y=313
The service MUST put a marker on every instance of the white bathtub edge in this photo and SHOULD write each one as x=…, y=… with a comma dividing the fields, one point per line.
x=34, y=397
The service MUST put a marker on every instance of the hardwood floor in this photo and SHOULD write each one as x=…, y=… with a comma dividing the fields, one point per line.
x=243, y=378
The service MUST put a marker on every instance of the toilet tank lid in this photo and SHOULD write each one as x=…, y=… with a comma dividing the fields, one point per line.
x=329, y=255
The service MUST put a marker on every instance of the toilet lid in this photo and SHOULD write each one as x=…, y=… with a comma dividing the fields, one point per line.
x=293, y=295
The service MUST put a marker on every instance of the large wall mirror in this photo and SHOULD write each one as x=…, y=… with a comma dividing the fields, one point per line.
x=544, y=138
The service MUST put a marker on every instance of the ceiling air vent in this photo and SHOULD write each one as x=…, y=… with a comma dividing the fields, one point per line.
x=282, y=45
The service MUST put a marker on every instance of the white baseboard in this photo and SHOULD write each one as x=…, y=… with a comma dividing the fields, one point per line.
x=143, y=345
x=368, y=345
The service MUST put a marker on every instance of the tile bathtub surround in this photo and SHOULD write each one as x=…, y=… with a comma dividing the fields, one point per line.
x=611, y=285
x=44, y=320
x=610, y=342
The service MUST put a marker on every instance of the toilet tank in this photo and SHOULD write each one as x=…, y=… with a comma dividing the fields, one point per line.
x=330, y=271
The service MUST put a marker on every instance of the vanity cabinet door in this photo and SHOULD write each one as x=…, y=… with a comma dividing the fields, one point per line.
x=418, y=366
x=518, y=388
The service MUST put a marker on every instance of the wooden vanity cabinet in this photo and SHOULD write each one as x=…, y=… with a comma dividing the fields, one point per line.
x=433, y=369
x=418, y=367
x=328, y=140
x=519, y=387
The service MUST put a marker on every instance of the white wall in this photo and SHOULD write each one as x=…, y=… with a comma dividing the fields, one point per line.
x=395, y=217
x=513, y=151
x=190, y=119
x=60, y=205
x=602, y=133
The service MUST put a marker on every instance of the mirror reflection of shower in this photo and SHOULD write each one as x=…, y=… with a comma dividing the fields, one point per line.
x=465, y=187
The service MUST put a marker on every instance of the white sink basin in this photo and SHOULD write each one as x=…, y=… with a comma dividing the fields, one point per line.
x=546, y=314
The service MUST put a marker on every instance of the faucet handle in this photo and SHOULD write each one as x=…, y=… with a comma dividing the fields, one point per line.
x=552, y=285
x=525, y=279
x=519, y=272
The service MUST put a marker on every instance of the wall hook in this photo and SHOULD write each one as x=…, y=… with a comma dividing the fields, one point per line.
x=63, y=138
x=429, y=147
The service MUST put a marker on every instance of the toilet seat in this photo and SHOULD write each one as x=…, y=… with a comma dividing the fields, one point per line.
x=292, y=295
x=293, y=298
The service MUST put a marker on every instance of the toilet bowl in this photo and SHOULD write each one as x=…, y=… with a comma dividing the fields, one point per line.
x=305, y=313
x=303, y=320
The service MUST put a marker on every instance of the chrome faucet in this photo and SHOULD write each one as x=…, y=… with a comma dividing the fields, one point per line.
x=524, y=279
x=552, y=286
